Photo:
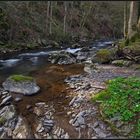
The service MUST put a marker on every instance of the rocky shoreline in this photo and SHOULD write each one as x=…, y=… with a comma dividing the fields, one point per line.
x=84, y=116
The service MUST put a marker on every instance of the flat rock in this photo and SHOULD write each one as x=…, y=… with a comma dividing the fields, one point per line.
x=24, y=87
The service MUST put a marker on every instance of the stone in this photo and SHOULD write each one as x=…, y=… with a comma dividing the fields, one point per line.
x=100, y=133
x=4, y=92
x=17, y=99
x=40, y=104
x=37, y=136
x=5, y=100
x=122, y=62
x=41, y=130
x=21, y=130
x=7, y=112
x=28, y=106
x=39, y=127
x=76, y=124
x=28, y=87
x=49, y=121
x=83, y=126
x=55, y=137
x=71, y=121
x=81, y=120
x=61, y=58
x=72, y=101
x=69, y=112
x=38, y=111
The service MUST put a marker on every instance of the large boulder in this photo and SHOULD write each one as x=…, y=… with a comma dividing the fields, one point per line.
x=62, y=58
x=104, y=56
x=21, y=84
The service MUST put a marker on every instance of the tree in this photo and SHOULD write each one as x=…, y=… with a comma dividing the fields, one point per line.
x=48, y=14
x=87, y=10
x=133, y=19
x=50, y=29
x=125, y=20
x=65, y=17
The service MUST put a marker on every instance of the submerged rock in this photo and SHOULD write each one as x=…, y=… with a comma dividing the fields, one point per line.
x=21, y=84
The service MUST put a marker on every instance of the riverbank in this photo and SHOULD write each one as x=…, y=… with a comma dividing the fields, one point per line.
x=63, y=108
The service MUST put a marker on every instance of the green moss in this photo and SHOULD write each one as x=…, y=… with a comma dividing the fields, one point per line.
x=100, y=96
x=103, y=55
x=2, y=120
x=135, y=37
x=122, y=97
x=21, y=78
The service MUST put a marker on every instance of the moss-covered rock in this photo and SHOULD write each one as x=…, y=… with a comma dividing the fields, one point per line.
x=21, y=84
x=104, y=56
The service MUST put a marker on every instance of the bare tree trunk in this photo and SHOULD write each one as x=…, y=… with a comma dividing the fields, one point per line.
x=133, y=19
x=50, y=29
x=65, y=17
x=55, y=3
x=86, y=15
x=47, y=20
x=125, y=20
x=71, y=15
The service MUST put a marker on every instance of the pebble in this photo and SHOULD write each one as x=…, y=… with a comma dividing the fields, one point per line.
x=55, y=137
x=17, y=99
x=28, y=106
x=69, y=112
x=49, y=121
x=73, y=115
x=40, y=104
x=5, y=92
x=39, y=127
x=59, y=133
x=48, y=124
x=72, y=101
x=41, y=130
x=71, y=121
x=66, y=136
x=49, y=137
x=5, y=95
x=94, y=137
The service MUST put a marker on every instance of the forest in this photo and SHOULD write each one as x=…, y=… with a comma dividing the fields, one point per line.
x=69, y=69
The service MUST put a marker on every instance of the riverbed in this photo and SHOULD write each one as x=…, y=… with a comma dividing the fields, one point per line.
x=57, y=92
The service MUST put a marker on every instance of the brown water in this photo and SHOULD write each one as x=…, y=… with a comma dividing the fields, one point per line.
x=53, y=91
